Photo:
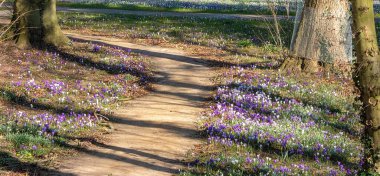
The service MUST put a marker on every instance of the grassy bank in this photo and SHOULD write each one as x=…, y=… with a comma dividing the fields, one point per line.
x=229, y=35
x=49, y=98
x=263, y=122
x=142, y=7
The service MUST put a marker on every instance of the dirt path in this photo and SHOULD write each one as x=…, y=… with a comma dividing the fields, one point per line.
x=153, y=133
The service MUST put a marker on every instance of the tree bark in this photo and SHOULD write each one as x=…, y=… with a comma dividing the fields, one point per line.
x=368, y=73
x=321, y=34
x=36, y=24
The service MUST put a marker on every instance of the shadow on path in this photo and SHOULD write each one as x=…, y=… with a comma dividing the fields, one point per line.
x=180, y=58
x=126, y=150
x=9, y=163
x=23, y=101
x=190, y=133
x=177, y=57
x=126, y=159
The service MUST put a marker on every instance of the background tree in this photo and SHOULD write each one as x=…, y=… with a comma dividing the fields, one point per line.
x=368, y=72
x=322, y=33
x=36, y=23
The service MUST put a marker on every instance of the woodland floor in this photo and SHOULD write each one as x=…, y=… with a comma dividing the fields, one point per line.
x=152, y=134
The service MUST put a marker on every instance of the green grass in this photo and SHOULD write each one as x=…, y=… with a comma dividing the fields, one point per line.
x=26, y=140
x=29, y=145
x=161, y=9
x=230, y=35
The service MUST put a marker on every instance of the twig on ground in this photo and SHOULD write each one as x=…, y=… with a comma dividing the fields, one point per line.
x=101, y=116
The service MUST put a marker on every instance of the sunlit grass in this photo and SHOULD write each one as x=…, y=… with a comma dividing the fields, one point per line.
x=244, y=7
x=230, y=35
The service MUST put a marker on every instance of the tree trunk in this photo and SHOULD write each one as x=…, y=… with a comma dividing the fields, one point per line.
x=36, y=24
x=322, y=34
x=368, y=72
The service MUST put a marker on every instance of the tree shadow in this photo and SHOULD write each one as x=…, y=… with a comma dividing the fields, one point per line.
x=125, y=150
x=163, y=78
x=24, y=101
x=86, y=62
x=176, y=104
x=184, y=96
x=180, y=58
x=12, y=164
x=273, y=148
x=185, y=132
x=319, y=120
x=254, y=32
x=126, y=159
x=27, y=102
x=199, y=7
x=176, y=57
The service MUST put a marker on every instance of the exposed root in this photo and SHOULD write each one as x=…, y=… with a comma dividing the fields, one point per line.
x=312, y=66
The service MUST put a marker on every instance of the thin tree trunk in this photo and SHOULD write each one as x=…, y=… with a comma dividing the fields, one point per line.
x=272, y=7
x=368, y=72
x=37, y=24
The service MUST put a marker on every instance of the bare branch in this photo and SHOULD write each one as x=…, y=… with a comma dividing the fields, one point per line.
x=1, y=3
x=14, y=22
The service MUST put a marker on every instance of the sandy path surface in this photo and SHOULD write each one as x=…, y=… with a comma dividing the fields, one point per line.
x=153, y=133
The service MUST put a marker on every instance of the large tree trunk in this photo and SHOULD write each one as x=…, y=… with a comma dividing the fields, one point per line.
x=368, y=72
x=321, y=35
x=36, y=24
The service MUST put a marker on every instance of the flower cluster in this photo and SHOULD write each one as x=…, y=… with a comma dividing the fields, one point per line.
x=51, y=124
x=282, y=119
x=72, y=88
